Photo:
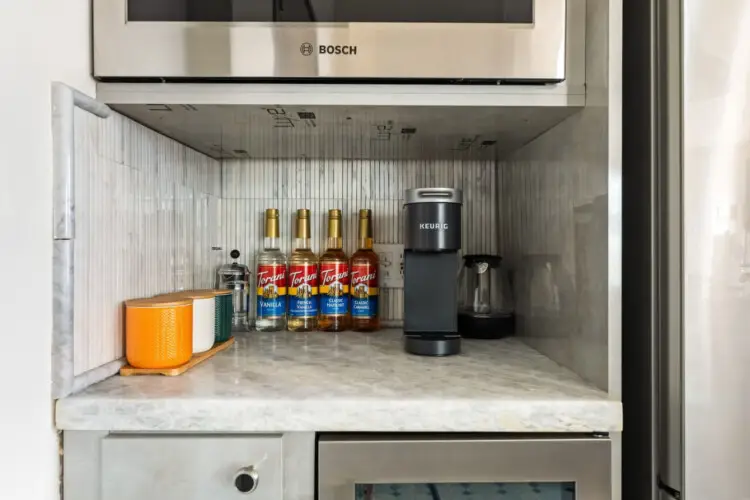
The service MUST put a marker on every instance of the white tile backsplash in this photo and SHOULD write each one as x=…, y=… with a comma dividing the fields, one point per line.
x=137, y=193
x=251, y=186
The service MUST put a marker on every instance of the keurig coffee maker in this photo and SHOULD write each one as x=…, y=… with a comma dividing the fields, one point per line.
x=431, y=243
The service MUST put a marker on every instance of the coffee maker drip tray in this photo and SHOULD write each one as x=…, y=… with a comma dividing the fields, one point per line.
x=432, y=344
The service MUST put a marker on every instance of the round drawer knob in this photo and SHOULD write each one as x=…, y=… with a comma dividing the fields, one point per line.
x=246, y=480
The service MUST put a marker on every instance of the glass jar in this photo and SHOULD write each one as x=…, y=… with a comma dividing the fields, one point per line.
x=486, y=308
x=236, y=277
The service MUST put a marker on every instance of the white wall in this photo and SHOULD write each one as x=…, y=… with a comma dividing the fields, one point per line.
x=68, y=42
x=40, y=40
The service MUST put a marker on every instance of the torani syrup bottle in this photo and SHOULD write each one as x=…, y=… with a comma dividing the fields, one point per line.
x=270, y=313
x=334, y=280
x=302, y=313
x=364, y=279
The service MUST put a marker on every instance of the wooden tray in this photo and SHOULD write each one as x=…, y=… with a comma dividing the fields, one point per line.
x=127, y=370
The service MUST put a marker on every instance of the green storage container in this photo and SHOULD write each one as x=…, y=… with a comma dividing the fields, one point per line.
x=224, y=311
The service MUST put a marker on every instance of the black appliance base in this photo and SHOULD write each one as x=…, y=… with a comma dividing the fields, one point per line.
x=477, y=327
x=432, y=345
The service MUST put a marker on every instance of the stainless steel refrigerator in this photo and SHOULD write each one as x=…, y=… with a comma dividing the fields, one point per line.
x=686, y=256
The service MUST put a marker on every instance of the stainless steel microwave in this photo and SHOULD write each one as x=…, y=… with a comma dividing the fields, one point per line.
x=497, y=40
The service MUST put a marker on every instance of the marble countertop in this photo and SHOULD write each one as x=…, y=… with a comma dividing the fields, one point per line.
x=350, y=382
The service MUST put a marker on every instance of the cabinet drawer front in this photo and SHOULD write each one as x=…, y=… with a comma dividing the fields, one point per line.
x=181, y=467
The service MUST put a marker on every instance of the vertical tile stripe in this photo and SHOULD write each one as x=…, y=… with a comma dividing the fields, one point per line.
x=148, y=215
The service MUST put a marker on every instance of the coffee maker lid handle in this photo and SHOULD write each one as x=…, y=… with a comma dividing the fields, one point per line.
x=434, y=195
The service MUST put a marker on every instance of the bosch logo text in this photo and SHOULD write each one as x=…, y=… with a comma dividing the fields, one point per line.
x=307, y=49
x=346, y=50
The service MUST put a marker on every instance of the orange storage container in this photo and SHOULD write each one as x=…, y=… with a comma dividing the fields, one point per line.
x=158, y=332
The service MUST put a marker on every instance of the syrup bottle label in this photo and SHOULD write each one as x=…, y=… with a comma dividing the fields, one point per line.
x=271, y=291
x=303, y=290
x=334, y=288
x=364, y=291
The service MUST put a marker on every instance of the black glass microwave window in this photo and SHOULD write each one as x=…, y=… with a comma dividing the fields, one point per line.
x=334, y=11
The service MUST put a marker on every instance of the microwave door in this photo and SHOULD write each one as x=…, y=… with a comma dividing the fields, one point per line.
x=333, y=11
x=424, y=11
x=302, y=11
x=183, y=10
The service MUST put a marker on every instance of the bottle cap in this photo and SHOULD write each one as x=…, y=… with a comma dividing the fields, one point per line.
x=272, y=223
x=303, y=224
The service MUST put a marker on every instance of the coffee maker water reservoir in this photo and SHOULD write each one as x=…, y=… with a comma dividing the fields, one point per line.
x=432, y=241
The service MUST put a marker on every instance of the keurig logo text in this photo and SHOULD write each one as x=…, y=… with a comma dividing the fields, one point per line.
x=434, y=226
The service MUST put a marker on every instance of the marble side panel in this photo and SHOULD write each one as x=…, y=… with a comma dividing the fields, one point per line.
x=350, y=382
x=65, y=102
x=63, y=202
x=97, y=374
x=559, y=205
x=554, y=237
x=62, y=321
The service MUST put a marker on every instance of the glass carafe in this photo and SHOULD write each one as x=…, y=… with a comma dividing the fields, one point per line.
x=485, y=301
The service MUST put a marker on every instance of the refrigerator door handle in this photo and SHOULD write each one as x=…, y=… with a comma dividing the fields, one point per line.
x=666, y=495
x=668, y=237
